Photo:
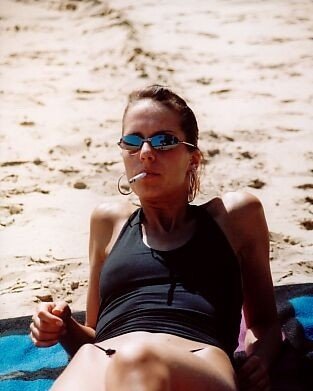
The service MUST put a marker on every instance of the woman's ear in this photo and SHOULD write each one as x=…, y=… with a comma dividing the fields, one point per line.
x=195, y=160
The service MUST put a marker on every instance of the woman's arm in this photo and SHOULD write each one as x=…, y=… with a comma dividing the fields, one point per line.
x=100, y=235
x=53, y=322
x=264, y=334
x=76, y=335
x=263, y=338
x=105, y=224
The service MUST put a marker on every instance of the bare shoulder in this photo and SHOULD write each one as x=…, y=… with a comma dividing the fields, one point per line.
x=106, y=221
x=238, y=213
x=242, y=204
x=111, y=212
x=236, y=203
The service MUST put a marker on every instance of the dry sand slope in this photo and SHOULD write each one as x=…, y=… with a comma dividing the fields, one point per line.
x=66, y=68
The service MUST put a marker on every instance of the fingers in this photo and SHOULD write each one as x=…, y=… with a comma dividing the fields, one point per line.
x=61, y=310
x=44, y=319
x=254, y=364
x=43, y=339
x=42, y=344
x=253, y=375
x=261, y=385
x=46, y=327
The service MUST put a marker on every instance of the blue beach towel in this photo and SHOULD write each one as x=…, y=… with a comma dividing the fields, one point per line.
x=293, y=370
x=25, y=367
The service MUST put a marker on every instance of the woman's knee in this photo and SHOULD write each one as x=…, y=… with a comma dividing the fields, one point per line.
x=140, y=355
x=141, y=363
x=137, y=352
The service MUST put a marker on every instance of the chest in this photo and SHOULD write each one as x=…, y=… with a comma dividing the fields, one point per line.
x=205, y=265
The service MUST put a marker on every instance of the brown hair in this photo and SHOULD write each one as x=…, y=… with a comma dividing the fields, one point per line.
x=189, y=124
x=174, y=102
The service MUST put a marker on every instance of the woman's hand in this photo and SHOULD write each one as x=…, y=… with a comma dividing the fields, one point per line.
x=49, y=323
x=253, y=375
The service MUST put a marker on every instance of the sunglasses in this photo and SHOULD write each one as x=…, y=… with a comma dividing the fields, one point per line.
x=160, y=142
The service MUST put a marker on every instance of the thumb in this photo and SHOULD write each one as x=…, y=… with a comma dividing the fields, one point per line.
x=62, y=310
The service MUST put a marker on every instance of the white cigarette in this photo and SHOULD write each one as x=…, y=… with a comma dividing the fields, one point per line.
x=137, y=177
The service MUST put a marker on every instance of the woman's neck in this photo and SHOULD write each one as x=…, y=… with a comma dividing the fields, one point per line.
x=165, y=219
x=167, y=231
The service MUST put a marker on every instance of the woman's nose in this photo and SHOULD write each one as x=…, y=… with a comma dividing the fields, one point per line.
x=147, y=151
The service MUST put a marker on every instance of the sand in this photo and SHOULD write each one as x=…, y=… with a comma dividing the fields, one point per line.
x=245, y=67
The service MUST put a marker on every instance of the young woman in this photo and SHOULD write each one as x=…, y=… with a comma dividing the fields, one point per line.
x=168, y=280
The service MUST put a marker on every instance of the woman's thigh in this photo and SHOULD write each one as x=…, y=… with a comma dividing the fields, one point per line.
x=165, y=366
x=205, y=370
x=86, y=371
x=220, y=365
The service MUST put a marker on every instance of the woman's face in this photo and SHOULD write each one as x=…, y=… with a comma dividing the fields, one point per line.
x=167, y=170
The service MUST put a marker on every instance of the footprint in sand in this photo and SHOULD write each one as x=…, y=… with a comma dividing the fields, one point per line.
x=299, y=268
x=7, y=213
x=307, y=224
x=246, y=155
x=309, y=200
x=27, y=123
x=305, y=186
x=80, y=185
x=306, y=266
x=256, y=183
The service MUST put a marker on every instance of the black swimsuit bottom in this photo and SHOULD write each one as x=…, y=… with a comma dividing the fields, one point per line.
x=110, y=352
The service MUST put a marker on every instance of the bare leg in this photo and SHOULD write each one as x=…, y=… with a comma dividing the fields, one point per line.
x=86, y=371
x=138, y=367
x=147, y=366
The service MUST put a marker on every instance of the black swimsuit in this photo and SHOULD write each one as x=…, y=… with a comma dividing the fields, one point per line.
x=192, y=292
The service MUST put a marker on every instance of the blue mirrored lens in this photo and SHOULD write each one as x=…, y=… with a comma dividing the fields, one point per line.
x=159, y=141
x=132, y=140
x=163, y=141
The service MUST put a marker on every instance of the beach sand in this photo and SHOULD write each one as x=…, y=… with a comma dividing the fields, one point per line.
x=245, y=67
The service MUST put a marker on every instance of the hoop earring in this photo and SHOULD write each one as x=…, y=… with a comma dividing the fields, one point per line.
x=120, y=187
x=194, y=184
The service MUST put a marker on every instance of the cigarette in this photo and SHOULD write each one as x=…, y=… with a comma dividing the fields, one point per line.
x=137, y=177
